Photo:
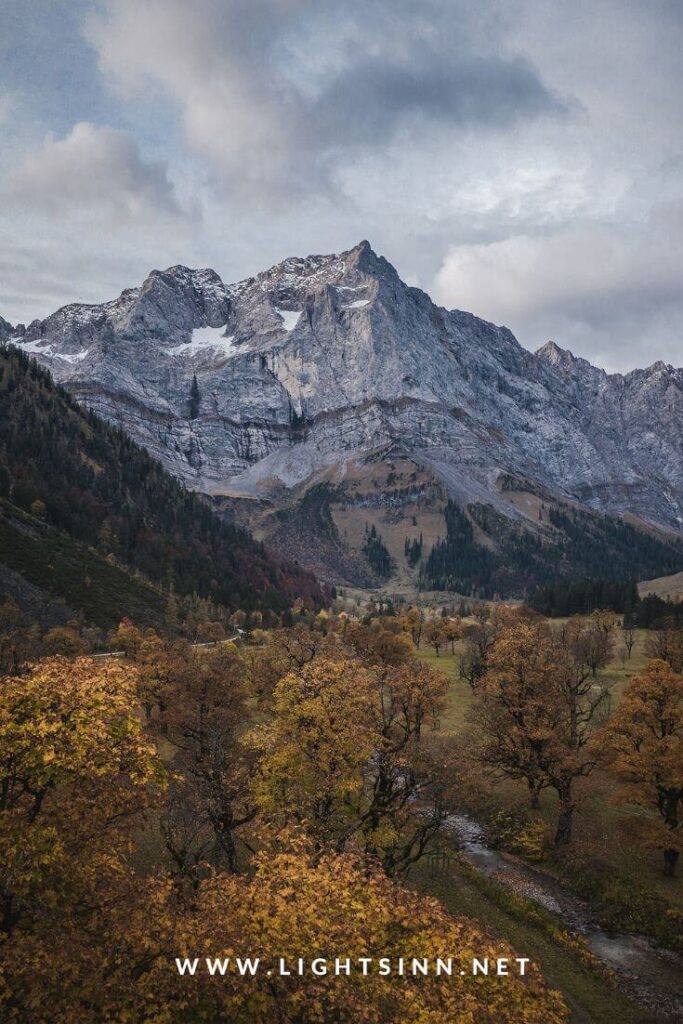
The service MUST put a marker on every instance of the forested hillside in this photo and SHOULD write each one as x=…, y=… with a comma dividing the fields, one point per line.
x=576, y=545
x=92, y=483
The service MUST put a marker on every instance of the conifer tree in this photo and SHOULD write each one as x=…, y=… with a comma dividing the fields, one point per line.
x=195, y=398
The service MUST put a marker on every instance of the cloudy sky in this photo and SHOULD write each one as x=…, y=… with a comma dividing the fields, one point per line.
x=522, y=159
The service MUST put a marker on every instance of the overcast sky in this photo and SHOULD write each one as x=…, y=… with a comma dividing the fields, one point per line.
x=521, y=159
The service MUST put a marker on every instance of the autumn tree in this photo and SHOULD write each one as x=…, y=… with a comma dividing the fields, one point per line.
x=605, y=620
x=127, y=637
x=74, y=765
x=536, y=712
x=435, y=635
x=478, y=641
x=344, y=754
x=204, y=718
x=582, y=647
x=287, y=650
x=316, y=746
x=77, y=776
x=19, y=637
x=413, y=622
x=407, y=769
x=515, y=715
x=210, y=632
x=452, y=630
x=595, y=637
x=666, y=644
x=65, y=640
x=645, y=737
x=629, y=637
x=297, y=902
x=376, y=645
x=159, y=664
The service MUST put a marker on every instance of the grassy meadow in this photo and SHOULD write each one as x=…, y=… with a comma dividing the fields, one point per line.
x=601, y=827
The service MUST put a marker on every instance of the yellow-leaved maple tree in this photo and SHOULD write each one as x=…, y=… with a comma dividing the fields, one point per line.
x=295, y=904
x=537, y=704
x=344, y=754
x=645, y=737
x=74, y=764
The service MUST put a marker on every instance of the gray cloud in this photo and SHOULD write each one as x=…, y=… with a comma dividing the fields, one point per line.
x=93, y=167
x=369, y=100
x=280, y=92
x=605, y=292
x=522, y=159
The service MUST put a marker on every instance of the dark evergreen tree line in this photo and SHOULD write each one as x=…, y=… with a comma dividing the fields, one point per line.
x=412, y=550
x=377, y=553
x=581, y=546
x=652, y=611
x=581, y=597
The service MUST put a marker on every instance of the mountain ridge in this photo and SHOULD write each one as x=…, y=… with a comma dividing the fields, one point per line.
x=207, y=279
x=286, y=379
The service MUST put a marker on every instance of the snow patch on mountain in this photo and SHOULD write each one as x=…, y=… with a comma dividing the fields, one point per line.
x=73, y=357
x=289, y=317
x=33, y=348
x=39, y=348
x=206, y=338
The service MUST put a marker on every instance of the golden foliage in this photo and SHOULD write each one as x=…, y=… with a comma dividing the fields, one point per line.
x=92, y=929
x=293, y=905
x=645, y=736
x=536, y=708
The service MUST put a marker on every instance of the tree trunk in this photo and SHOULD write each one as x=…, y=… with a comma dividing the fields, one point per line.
x=223, y=825
x=563, y=833
x=8, y=917
x=670, y=861
x=534, y=794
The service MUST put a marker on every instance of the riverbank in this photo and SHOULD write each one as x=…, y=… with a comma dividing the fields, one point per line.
x=602, y=981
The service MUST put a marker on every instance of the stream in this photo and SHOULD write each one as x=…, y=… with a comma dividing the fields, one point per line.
x=651, y=976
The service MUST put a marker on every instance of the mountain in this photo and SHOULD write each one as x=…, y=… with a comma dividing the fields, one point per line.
x=325, y=396
x=90, y=519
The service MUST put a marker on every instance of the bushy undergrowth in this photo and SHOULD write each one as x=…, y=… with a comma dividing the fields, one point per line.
x=622, y=904
x=514, y=830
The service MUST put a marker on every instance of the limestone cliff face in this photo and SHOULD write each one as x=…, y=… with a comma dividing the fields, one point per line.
x=327, y=359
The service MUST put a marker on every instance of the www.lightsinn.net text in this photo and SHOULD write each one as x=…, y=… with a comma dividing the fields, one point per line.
x=251, y=967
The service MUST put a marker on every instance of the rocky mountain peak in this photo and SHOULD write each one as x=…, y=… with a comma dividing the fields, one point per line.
x=329, y=358
x=660, y=367
x=573, y=369
x=6, y=329
x=181, y=297
x=311, y=273
x=556, y=356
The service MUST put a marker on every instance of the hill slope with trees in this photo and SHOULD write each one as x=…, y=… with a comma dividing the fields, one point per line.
x=88, y=487
x=576, y=545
